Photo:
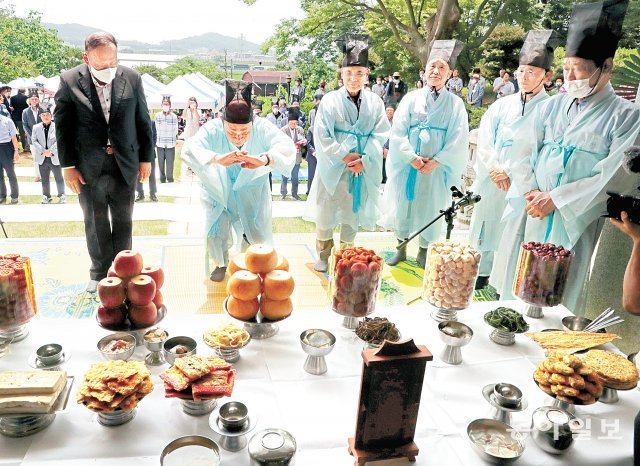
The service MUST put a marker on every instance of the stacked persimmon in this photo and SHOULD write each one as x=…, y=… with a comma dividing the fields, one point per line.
x=260, y=281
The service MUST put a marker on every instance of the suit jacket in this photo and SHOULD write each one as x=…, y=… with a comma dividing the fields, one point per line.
x=299, y=134
x=19, y=103
x=82, y=130
x=28, y=121
x=38, y=143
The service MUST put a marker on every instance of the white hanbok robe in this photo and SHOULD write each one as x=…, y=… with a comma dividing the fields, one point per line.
x=575, y=156
x=339, y=197
x=435, y=129
x=504, y=119
x=237, y=198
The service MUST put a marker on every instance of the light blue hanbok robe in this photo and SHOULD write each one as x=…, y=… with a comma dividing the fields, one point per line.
x=237, y=198
x=339, y=197
x=435, y=129
x=501, y=122
x=575, y=156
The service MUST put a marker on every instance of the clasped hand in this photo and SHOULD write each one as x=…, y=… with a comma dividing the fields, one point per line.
x=241, y=157
x=354, y=163
x=539, y=204
x=500, y=179
x=425, y=165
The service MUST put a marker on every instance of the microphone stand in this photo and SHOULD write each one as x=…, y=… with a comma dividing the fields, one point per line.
x=3, y=230
x=449, y=214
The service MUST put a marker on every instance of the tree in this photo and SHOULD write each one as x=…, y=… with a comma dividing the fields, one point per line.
x=187, y=65
x=31, y=45
x=152, y=70
x=502, y=49
x=404, y=29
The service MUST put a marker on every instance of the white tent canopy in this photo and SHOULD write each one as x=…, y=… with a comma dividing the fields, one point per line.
x=208, y=94
x=151, y=85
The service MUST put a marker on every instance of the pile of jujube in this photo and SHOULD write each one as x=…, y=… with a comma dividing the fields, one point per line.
x=541, y=274
x=130, y=291
x=356, y=280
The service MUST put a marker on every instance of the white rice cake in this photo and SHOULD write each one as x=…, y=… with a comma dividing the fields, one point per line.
x=31, y=382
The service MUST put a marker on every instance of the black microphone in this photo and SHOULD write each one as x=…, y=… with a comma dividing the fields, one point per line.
x=469, y=199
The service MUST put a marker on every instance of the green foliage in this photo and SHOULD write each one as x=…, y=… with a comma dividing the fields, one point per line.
x=475, y=115
x=502, y=49
x=187, y=65
x=152, y=70
x=626, y=73
x=17, y=66
x=31, y=46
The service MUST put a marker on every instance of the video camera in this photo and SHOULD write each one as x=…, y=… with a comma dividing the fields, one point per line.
x=618, y=203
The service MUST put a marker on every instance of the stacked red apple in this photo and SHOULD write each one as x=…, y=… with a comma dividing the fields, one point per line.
x=260, y=281
x=131, y=291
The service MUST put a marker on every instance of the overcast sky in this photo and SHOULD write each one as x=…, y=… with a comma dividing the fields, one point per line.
x=157, y=20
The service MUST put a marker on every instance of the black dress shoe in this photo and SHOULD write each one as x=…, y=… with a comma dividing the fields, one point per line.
x=154, y=198
x=14, y=201
x=296, y=197
x=139, y=198
x=218, y=274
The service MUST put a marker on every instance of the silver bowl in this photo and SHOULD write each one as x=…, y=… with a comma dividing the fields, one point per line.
x=577, y=324
x=188, y=441
x=49, y=354
x=317, y=343
x=156, y=356
x=480, y=428
x=455, y=335
x=123, y=355
x=170, y=343
x=272, y=447
x=552, y=429
x=507, y=394
x=233, y=415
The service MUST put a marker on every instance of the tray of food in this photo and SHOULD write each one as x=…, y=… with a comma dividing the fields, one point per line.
x=568, y=378
x=227, y=337
x=614, y=369
x=34, y=392
x=507, y=320
x=111, y=386
x=374, y=331
x=568, y=341
x=355, y=279
x=198, y=378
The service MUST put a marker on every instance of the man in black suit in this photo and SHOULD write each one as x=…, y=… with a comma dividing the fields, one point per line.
x=104, y=145
x=19, y=103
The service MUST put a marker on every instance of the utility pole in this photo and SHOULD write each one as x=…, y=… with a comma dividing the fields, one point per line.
x=225, y=63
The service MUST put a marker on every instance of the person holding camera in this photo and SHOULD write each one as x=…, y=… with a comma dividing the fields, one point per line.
x=574, y=152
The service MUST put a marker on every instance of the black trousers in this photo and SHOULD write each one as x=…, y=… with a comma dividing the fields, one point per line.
x=109, y=195
x=312, y=162
x=152, y=181
x=7, y=166
x=45, y=172
x=21, y=134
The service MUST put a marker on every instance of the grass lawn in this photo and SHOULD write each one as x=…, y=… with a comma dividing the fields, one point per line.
x=74, y=199
x=292, y=225
x=73, y=229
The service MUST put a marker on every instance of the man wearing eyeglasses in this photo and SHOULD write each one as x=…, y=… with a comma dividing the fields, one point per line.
x=349, y=130
x=428, y=150
x=104, y=144
x=233, y=158
x=506, y=118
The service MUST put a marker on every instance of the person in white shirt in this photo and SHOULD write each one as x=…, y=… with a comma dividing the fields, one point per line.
x=505, y=87
x=498, y=80
x=30, y=117
x=191, y=116
x=167, y=130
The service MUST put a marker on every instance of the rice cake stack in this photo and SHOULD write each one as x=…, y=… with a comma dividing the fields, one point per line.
x=570, y=342
x=30, y=392
x=615, y=370
x=115, y=385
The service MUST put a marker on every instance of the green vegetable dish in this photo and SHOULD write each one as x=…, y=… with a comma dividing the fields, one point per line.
x=507, y=320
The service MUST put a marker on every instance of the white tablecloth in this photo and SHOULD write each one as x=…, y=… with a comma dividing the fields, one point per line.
x=320, y=411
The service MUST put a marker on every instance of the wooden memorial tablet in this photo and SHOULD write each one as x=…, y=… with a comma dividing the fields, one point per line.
x=392, y=378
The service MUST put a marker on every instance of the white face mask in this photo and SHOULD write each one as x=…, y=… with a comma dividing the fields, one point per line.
x=580, y=88
x=105, y=76
x=193, y=106
x=166, y=108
